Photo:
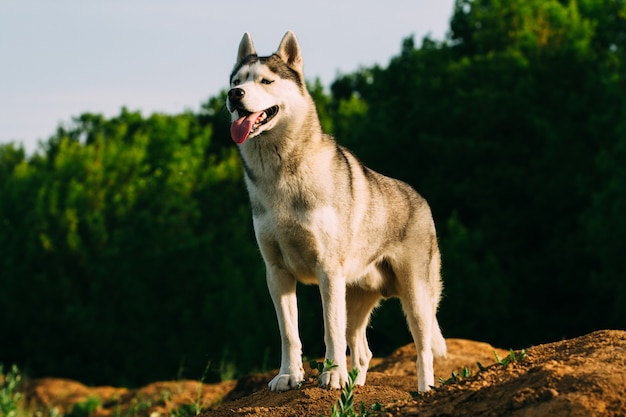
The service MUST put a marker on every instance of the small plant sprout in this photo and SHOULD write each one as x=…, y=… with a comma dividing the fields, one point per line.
x=512, y=357
x=465, y=373
x=345, y=404
x=322, y=367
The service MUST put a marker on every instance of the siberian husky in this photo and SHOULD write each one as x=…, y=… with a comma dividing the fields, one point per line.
x=321, y=217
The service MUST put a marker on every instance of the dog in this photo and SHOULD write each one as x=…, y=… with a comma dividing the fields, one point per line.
x=321, y=217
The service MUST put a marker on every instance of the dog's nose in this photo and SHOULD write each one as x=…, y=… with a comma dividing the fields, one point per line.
x=236, y=94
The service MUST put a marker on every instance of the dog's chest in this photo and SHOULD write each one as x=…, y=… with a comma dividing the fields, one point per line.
x=295, y=228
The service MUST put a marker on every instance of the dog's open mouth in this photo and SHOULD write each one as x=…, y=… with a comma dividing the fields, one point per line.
x=248, y=123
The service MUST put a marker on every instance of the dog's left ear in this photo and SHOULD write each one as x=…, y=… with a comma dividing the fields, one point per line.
x=289, y=51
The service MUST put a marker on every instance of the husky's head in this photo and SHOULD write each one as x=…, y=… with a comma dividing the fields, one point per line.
x=265, y=91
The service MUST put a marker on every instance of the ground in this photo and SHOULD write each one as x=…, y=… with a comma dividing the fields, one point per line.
x=584, y=376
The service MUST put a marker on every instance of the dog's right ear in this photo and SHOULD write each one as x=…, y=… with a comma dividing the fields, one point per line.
x=246, y=47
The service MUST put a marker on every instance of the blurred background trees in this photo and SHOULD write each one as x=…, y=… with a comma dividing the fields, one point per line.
x=127, y=247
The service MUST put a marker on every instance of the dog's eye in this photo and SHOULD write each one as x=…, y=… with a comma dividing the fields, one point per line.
x=266, y=81
x=236, y=82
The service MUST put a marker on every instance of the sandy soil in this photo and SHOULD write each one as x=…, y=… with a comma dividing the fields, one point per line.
x=585, y=376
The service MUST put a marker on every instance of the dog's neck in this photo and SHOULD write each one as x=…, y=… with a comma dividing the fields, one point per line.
x=272, y=155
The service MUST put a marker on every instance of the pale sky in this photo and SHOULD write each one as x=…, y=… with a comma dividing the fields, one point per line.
x=62, y=58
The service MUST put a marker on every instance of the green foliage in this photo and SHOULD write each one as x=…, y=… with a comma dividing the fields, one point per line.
x=10, y=397
x=127, y=234
x=85, y=408
x=512, y=128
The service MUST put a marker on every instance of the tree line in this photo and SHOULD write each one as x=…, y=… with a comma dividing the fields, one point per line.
x=128, y=253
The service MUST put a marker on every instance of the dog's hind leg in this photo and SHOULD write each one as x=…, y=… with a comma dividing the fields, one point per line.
x=359, y=305
x=418, y=309
x=439, y=347
x=419, y=303
x=282, y=286
x=438, y=342
x=434, y=274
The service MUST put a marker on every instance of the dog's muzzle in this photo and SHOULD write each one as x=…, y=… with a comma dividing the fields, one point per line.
x=247, y=122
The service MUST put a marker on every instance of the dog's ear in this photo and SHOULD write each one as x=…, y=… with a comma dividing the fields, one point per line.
x=246, y=47
x=289, y=51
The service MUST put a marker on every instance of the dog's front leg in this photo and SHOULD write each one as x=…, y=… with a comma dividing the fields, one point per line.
x=333, y=294
x=282, y=286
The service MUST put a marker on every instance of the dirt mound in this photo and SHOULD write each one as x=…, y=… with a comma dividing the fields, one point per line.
x=50, y=396
x=585, y=376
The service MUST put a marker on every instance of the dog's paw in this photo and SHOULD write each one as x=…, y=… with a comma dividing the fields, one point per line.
x=286, y=382
x=335, y=378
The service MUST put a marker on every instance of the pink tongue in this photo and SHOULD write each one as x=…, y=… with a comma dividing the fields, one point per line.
x=240, y=129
